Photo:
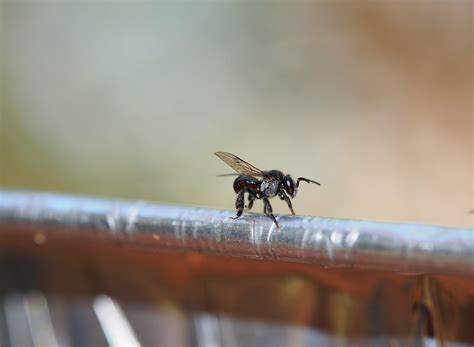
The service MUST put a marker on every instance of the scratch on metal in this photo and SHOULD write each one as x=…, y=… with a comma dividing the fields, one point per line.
x=255, y=240
x=329, y=248
x=132, y=218
x=269, y=241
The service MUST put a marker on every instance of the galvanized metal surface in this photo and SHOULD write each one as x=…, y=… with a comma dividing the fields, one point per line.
x=405, y=248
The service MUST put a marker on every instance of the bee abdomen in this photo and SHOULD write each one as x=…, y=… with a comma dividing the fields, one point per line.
x=247, y=183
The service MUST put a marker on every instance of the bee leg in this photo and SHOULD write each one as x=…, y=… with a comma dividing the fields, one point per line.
x=267, y=209
x=285, y=197
x=251, y=200
x=239, y=204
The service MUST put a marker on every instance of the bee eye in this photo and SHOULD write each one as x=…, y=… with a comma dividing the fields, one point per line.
x=289, y=185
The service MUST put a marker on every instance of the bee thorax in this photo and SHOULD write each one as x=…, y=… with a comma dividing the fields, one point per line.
x=269, y=187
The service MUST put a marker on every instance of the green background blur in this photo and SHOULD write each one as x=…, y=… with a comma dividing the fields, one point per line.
x=131, y=99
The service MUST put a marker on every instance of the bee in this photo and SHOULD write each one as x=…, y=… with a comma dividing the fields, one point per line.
x=259, y=184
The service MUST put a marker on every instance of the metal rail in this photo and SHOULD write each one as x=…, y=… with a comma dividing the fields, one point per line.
x=405, y=248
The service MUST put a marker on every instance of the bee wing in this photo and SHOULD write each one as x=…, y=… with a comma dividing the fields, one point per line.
x=240, y=166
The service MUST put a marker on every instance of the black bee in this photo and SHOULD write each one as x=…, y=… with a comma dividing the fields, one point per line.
x=260, y=185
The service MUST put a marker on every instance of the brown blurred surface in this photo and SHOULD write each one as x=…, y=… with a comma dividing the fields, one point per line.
x=352, y=305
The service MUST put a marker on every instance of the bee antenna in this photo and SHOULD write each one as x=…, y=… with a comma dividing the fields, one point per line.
x=307, y=180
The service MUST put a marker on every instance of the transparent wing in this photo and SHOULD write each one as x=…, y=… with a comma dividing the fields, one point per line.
x=240, y=166
x=228, y=174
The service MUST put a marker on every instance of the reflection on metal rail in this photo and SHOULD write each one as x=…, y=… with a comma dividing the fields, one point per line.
x=329, y=242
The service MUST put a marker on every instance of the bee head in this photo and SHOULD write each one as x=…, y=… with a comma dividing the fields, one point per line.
x=289, y=185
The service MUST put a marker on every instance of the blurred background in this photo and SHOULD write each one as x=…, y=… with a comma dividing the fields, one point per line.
x=131, y=99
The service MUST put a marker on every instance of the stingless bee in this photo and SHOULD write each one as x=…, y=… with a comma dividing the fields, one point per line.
x=260, y=184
